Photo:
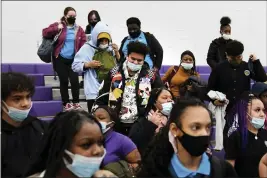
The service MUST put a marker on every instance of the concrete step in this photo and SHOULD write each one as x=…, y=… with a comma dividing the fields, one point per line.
x=50, y=81
x=56, y=94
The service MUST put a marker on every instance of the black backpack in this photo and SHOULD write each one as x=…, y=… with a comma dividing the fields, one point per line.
x=45, y=51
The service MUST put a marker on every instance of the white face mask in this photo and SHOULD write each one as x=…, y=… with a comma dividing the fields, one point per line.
x=226, y=36
x=83, y=166
x=167, y=108
x=187, y=66
x=101, y=46
x=134, y=67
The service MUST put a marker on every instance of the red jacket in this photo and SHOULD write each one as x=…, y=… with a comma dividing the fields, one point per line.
x=52, y=31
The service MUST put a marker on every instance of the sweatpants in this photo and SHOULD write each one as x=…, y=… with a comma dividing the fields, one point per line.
x=66, y=74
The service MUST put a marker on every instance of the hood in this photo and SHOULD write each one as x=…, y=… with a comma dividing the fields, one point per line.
x=258, y=88
x=99, y=28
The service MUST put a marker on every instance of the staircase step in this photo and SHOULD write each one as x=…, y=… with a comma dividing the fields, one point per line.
x=42, y=93
x=50, y=81
x=38, y=79
x=46, y=108
x=56, y=94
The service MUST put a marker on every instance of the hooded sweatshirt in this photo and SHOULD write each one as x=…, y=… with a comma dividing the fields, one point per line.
x=85, y=54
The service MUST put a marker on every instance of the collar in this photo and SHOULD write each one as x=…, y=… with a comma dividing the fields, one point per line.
x=177, y=168
x=8, y=127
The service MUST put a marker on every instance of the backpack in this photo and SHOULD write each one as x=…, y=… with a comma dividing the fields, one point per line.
x=168, y=81
x=107, y=60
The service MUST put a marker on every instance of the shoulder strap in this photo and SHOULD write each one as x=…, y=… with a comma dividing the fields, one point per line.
x=174, y=71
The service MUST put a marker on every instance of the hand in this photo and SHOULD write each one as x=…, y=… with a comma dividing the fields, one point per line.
x=218, y=103
x=115, y=47
x=60, y=26
x=253, y=57
x=93, y=64
x=189, y=87
x=157, y=118
x=103, y=173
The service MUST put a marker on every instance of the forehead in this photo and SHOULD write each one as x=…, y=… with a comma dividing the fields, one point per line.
x=101, y=111
x=133, y=26
x=88, y=130
x=187, y=57
x=19, y=94
x=195, y=114
x=256, y=103
x=71, y=13
x=93, y=16
x=226, y=28
x=165, y=93
x=136, y=56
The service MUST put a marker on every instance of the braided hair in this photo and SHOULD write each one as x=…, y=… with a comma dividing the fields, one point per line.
x=60, y=136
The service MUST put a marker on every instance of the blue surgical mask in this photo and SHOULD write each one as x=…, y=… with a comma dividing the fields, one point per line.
x=17, y=114
x=83, y=166
x=105, y=126
x=257, y=122
x=134, y=67
x=167, y=108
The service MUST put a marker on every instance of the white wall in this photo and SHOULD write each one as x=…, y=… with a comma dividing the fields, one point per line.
x=177, y=25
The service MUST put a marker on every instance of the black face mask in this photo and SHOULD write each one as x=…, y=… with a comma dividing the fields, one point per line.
x=194, y=145
x=93, y=23
x=134, y=34
x=71, y=20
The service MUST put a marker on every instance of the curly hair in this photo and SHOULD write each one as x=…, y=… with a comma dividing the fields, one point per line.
x=137, y=47
x=158, y=154
x=16, y=82
x=60, y=135
x=234, y=48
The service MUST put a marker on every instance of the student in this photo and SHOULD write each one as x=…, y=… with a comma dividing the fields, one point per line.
x=119, y=147
x=233, y=76
x=217, y=49
x=259, y=89
x=86, y=62
x=157, y=112
x=263, y=166
x=21, y=134
x=246, y=142
x=179, y=149
x=129, y=85
x=155, y=56
x=177, y=75
x=74, y=146
x=71, y=39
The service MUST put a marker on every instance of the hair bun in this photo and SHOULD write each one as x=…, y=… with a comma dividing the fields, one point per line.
x=225, y=21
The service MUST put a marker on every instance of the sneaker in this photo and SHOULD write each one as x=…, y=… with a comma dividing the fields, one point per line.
x=77, y=106
x=68, y=107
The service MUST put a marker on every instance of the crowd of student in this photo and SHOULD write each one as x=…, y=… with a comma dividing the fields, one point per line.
x=137, y=124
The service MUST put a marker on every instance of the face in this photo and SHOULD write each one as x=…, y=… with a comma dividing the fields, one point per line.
x=71, y=14
x=136, y=58
x=263, y=98
x=164, y=97
x=133, y=28
x=88, y=141
x=103, y=41
x=256, y=109
x=195, y=121
x=235, y=60
x=102, y=115
x=19, y=100
x=93, y=19
x=226, y=30
x=187, y=59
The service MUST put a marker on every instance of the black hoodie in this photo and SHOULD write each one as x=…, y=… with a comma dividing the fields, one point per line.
x=20, y=147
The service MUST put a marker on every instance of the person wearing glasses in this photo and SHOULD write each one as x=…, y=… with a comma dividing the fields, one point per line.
x=129, y=85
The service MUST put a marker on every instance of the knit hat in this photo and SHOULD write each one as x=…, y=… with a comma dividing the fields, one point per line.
x=187, y=52
x=258, y=88
x=104, y=35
